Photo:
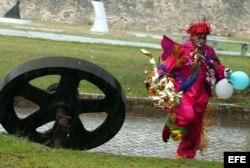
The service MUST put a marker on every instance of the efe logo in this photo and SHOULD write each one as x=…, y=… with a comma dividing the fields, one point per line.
x=236, y=159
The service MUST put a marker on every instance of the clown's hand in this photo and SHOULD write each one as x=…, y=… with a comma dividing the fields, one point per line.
x=227, y=73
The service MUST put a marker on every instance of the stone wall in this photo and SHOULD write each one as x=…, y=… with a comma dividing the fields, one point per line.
x=220, y=113
x=228, y=17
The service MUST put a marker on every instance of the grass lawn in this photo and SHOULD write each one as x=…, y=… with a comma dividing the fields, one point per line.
x=126, y=63
x=20, y=153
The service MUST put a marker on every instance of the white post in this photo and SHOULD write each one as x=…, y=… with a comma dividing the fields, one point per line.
x=100, y=24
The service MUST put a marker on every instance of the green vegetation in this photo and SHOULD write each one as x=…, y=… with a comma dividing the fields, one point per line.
x=126, y=63
x=20, y=153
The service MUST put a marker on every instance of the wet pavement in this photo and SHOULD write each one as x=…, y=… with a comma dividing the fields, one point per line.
x=141, y=136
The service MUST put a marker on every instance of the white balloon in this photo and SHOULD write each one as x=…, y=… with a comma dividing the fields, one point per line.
x=224, y=89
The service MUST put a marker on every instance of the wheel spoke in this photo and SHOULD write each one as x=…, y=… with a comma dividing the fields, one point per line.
x=68, y=84
x=28, y=124
x=91, y=106
x=35, y=94
x=77, y=133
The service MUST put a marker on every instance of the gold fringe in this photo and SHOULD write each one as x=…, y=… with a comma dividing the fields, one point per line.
x=207, y=122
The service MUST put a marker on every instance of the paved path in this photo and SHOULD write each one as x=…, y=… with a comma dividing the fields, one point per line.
x=72, y=38
x=141, y=136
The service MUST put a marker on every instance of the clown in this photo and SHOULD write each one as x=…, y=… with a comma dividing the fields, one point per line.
x=194, y=67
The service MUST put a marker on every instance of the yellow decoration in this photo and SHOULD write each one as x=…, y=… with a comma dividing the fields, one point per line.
x=160, y=90
x=176, y=135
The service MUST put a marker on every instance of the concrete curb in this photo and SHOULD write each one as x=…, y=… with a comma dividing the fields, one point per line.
x=222, y=113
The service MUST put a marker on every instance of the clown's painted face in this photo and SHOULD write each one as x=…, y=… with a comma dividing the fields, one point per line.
x=198, y=40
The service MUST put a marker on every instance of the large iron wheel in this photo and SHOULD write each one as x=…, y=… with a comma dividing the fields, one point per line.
x=71, y=72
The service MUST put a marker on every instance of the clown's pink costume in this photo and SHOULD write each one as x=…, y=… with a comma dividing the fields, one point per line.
x=194, y=67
